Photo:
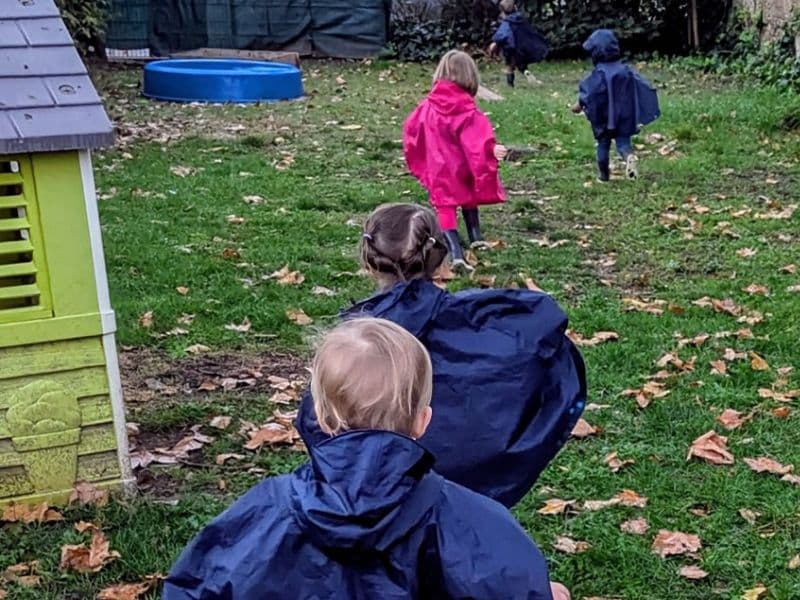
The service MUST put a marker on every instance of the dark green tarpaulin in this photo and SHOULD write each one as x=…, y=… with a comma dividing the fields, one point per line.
x=327, y=27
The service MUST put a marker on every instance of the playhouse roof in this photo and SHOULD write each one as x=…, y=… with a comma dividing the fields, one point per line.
x=47, y=101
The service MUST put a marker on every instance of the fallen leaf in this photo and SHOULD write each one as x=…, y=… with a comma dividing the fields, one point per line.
x=757, y=363
x=23, y=573
x=730, y=419
x=782, y=412
x=253, y=199
x=712, y=448
x=352, y=127
x=788, y=269
x=285, y=276
x=197, y=349
x=749, y=515
x=615, y=464
x=787, y=396
x=755, y=288
x=793, y=479
x=84, y=526
x=692, y=572
x=669, y=543
x=583, y=429
x=182, y=290
x=298, y=316
x=182, y=171
x=593, y=406
x=89, y=559
x=763, y=464
x=793, y=288
x=221, y=422
x=631, y=498
x=746, y=252
x=146, y=320
x=593, y=505
x=555, y=506
x=270, y=434
x=485, y=281
x=794, y=563
x=570, y=546
x=221, y=459
x=718, y=367
x=531, y=285
x=124, y=591
x=597, y=338
x=319, y=290
x=24, y=513
x=86, y=494
x=697, y=340
x=730, y=355
x=655, y=307
x=635, y=526
x=648, y=392
x=235, y=220
x=755, y=593
x=243, y=327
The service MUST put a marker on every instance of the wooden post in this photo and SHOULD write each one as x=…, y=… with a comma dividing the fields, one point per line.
x=694, y=26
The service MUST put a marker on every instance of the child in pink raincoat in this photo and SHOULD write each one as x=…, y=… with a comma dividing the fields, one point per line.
x=450, y=148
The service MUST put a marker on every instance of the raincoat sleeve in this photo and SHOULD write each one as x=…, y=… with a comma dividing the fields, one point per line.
x=593, y=98
x=504, y=36
x=477, y=141
x=486, y=554
x=414, y=146
x=647, y=109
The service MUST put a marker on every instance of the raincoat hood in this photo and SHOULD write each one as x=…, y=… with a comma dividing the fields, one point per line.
x=362, y=491
x=449, y=98
x=603, y=46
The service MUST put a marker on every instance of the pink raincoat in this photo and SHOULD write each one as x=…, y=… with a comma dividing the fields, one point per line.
x=449, y=146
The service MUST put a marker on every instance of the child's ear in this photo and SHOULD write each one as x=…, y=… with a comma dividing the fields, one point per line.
x=421, y=422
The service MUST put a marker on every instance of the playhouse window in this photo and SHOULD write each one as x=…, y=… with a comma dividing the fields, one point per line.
x=23, y=285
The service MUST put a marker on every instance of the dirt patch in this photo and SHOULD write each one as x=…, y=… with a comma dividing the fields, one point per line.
x=149, y=374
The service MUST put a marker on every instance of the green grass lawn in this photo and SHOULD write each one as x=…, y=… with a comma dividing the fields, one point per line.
x=710, y=215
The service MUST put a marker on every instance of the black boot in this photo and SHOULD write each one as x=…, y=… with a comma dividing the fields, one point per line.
x=603, y=172
x=473, y=220
x=510, y=79
x=456, y=252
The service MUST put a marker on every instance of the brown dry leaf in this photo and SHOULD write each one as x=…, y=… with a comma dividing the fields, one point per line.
x=669, y=543
x=782, y=412
x=648, y=392
x=555, y=506
x=749, y=515
x=531, y=285
x=182, y=290
x=220, y=422
x=692, y=572
x=731, y=355
x=757, y=363
x=3, y=594
x=755, y=288
x=286, y=277
x=182, y=171
x=146, y=320
x=197, y=349
x=235, y=220
x=656, y=307
x=615, y=464
x=756, y=593
x=718, y=367
x=298, y=316
x=746, y=252
x=597, y=338
x=485, y=281
x=583, y=429
x=124, y=591
x=635, y=526
x=762, y=464
x=21, y=573
x=794, y=563
x=787, y=396
x=593, y=505
x=29, y=580
x=631, y=498
x=697, y=340
x=793, y=479
x=84, y=526
x=570, y=546
x=793, y=288
x=86, y=494
x=89, y=559
x=253, y=199
x=221, y=459
x=24, y=513
x=712, y=448
x=789, y=269
x=271, y=433
x=243, y=327
x=731, y=419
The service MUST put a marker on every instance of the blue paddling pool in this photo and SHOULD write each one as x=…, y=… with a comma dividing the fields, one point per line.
x=221, y=80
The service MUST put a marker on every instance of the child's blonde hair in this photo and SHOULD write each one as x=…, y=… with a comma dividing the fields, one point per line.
x=402, y=242
x=458, y=67
x=508, y=6
x=370, y=374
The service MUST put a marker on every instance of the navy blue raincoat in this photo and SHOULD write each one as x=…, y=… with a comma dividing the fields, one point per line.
x=508, y=385
x=614, y=97
x=520, y=43
x=366, y=518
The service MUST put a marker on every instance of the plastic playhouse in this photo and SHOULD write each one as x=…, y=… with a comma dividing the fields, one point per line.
x=61, y=413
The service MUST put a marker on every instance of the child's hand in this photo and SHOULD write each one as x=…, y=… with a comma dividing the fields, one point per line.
x=576, y=108
x=559, y=591
x=492, y=49
x=500, y=151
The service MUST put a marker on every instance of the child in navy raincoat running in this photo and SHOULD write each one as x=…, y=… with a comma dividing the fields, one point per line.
x=509, y=386
x=518, y=42
x=616, y=100
x=366, y=517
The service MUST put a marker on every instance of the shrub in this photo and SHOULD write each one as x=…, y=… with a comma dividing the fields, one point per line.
x=86, y=21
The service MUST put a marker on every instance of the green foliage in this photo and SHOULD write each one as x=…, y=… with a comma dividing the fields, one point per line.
x=740, y=52
x=85, y=19
x=643, y=26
